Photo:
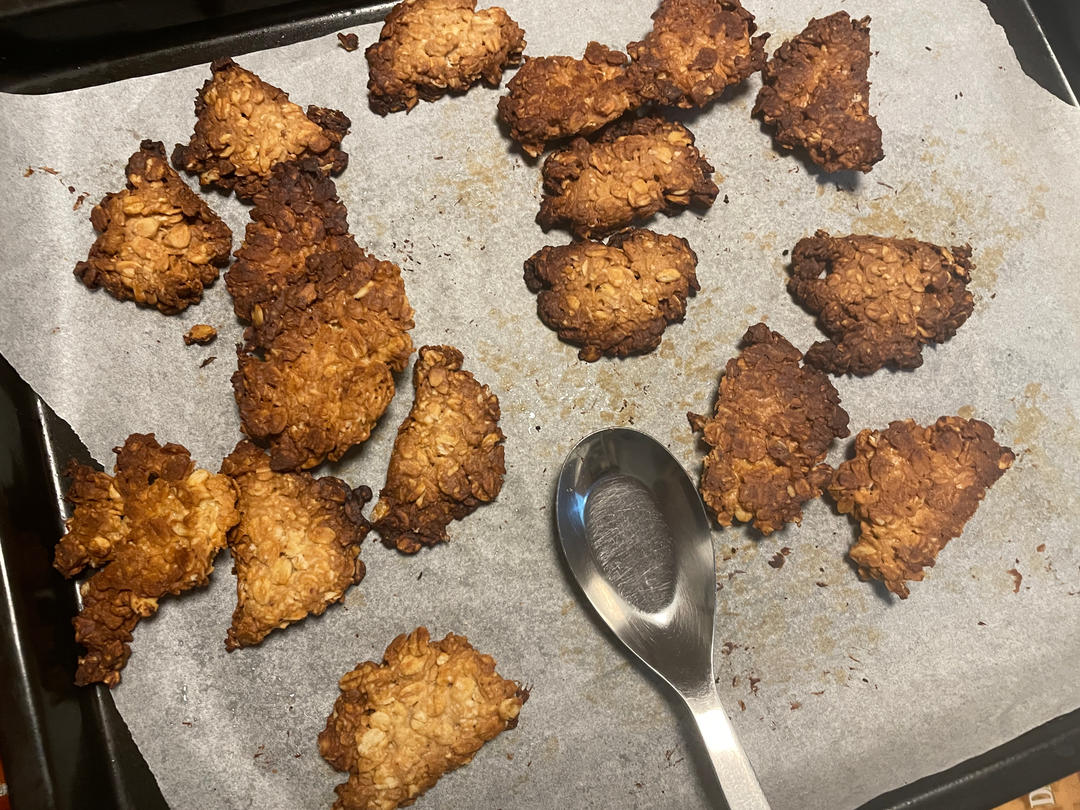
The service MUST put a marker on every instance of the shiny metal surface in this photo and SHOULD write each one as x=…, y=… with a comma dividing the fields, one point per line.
x=636, y=538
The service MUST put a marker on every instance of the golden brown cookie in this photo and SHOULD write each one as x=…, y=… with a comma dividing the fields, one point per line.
x=879, y=300
x=430, y=47
x=156, y=525
x=245, y=126
x=626, y=174
x=613, y=300
x=912, y=489
x=695, y=50
x=398, y=726
x=773, y=425
x=448, y=456
x=296, y=213
x=814, y=91
x=159, y=244
x=554, y=97
x=296, y=549
x=317, y=373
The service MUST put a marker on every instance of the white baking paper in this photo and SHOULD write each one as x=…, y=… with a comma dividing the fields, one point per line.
x=837, y=692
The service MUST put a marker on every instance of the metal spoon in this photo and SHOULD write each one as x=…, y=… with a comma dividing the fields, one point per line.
x=635, y=535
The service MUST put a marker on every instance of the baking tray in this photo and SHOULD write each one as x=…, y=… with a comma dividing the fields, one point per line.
x=66, y=747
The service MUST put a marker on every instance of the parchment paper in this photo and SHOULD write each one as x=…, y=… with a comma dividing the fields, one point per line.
x=838, y=693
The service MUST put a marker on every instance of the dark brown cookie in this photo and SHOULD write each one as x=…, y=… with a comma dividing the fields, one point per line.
x=554, y=97
x=879, y=300
x=912, y=489
x=156, y=525
x=815, y=92
x=695, y=50
x=773, y=425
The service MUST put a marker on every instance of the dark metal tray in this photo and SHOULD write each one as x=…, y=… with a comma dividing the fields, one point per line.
x=67, y=747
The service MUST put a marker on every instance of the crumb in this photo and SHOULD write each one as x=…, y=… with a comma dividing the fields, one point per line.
x=79, y=202
x=617, y=299
x=629, y=172
x=160, y=245
x=348, y=42
x=815, y=92
x=695, y=50
x=776, y=560
x=429, y=47
x=774, y=423
x=296, y=547
x=1017, y=578
x=555, y=97
x=448, y=456
x=200, y=333
x=879, y=300
x=912, y=489
x=156, y=526
x=246, y=126
x=398, y=726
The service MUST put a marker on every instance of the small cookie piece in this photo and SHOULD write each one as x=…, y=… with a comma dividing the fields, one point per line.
x=245, y=126
x=429, y=47
x=296, y=548
x=348, y=42
x=815, y=92
x=772, y=429
x=880, y=300
x=629, y=172
x=316, y=374
x=447, y=458
x=156, y=525
x=296, y=213
x=912, y=489
x=398, y=726
x=613, y=300
x=695, y=50
x=554, y=97
x=202, y=333
x=160, y=245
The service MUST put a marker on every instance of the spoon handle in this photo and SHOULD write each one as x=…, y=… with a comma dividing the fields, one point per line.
x=733, y=770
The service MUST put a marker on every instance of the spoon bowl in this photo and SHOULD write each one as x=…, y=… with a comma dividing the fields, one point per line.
x=636, y=537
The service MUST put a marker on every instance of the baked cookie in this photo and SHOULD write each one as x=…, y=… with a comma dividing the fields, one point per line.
x=156, y=526
x=448, y=456
x=398, y=726
x=245, y=126
x=879, y=300
x=296, y=549
x=316, y=373
x=296, y=213
x=616, y=299
x=554, y=97
x=815, y=93
x=775, y=420
x=430, y=47
x=695, y=50
x=912, y=489
x=626, y=174
x=159, y=244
